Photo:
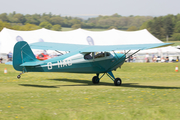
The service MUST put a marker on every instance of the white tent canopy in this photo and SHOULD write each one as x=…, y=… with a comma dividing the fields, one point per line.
x=9, y=37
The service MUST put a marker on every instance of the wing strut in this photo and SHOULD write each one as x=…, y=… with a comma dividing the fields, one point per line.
x=133, y=53
x=59, y=52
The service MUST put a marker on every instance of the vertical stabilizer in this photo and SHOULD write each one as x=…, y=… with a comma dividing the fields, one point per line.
x=22, y=53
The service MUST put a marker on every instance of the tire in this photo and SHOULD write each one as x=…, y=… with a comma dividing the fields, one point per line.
x=117, y=82
x=18, y=76
x=95, y=80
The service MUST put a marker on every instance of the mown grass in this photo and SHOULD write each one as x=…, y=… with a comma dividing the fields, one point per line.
x=149, y=91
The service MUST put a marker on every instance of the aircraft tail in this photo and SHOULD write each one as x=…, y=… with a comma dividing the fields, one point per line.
x=22, y=53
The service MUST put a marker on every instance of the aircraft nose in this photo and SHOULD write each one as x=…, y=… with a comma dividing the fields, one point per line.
x=120, y=56
x=118, y=60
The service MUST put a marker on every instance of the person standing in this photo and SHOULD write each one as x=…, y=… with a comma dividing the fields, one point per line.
x=1, y=59
x=147, y=58
x=9, y=56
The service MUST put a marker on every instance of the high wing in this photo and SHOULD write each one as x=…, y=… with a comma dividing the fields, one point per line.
x=56, y=46
x=95, y=48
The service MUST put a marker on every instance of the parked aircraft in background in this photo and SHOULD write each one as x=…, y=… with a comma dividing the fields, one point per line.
x=79, y=59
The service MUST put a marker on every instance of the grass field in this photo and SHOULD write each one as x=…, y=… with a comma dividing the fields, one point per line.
x=150, y=91
x=175, y=43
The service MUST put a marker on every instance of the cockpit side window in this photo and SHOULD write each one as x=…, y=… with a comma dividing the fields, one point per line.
x=90, y=55
x=102, y=54
x=107, y=53
x=99, y=55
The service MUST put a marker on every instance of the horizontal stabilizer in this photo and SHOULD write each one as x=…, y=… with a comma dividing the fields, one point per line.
x=32, y=63
x=9, y=63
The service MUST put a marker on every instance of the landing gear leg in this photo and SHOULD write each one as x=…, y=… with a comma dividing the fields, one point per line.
x=23, y=71
x=117, y=81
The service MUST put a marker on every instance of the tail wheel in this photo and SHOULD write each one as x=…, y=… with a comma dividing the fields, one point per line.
x=19, y=76
x=117, y=82
x=95, y=80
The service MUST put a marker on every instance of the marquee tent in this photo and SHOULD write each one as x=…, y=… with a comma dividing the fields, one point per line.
x=9, y=37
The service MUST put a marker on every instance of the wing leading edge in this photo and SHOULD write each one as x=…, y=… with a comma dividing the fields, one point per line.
x=95, y=48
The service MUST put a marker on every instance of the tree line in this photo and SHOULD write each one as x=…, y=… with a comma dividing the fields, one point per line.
x=164, y=27
x=55, y=22
x=161, y=27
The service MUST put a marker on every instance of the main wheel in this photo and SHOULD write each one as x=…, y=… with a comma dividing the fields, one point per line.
x=95, y=80
x=117, y=82
x=18, y=76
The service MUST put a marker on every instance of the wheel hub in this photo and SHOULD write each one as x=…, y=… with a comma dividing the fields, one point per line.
x=118, y=82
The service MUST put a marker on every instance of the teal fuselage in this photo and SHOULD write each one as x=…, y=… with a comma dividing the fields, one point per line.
x=76, y=63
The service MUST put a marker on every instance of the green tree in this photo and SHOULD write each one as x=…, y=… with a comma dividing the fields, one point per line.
x=66, y=23
x=118, y=21
x=45, y=18
x=168, y=25
x=33, y=19
x=49, y=15
x=132, y=28
x=46, y=25
x=16, y=27
x=56, y=27
x=76, y=26
x=116, y=15
x=144, y=25
x=156, y=27
x=176, y=37
x=56, y=20
x=28, y=27
x=177, y=27
x=4, y=24
x=112, y=27
x=4, y=17
x=18, y=18
x=75, y=21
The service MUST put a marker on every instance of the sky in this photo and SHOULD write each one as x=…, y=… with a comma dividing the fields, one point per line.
x=92, y=7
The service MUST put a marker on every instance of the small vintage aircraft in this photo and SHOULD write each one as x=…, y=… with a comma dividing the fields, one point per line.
x=79, y=59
